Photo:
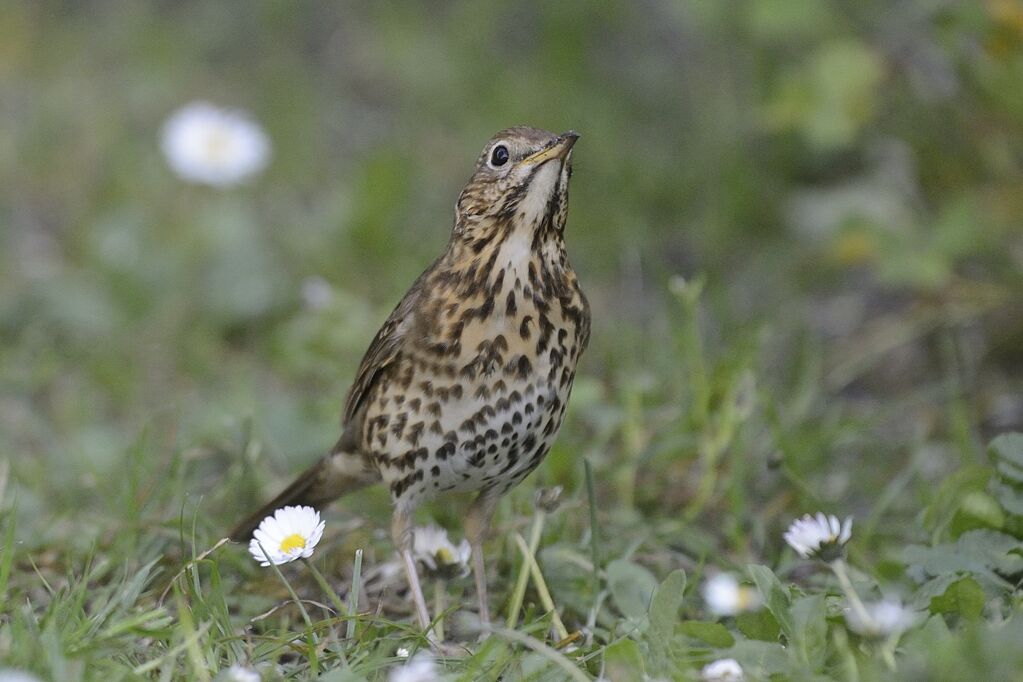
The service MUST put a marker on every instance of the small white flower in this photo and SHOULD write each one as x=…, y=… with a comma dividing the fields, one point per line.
x=419, y=669
x=291, y=533
x=722, y=670
x=726, y=597
x=677, y=284
x=11, y=675
x=239, y=673
x=209, y=145
x=884, y=618
x=316, y=293
x=431, y=546
x=402, y=652
x=819, y=537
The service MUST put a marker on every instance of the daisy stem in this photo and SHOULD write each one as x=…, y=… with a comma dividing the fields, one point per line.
x=541, y=588
x=520, y=584
x=839, y=568
x=888, y=651
x=325, y=586
x=438, y=608
x=294, y=597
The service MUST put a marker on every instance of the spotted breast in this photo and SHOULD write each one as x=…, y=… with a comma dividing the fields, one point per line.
x=475, y=398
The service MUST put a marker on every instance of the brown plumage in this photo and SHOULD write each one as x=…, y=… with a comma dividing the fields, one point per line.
x=465, y=385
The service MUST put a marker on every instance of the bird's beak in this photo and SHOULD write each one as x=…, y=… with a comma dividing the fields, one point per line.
x=559, y=150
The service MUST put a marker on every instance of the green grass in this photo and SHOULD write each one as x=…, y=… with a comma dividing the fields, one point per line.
x=799, y=225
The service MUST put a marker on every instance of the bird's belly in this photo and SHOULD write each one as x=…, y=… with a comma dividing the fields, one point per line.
x=478, y=433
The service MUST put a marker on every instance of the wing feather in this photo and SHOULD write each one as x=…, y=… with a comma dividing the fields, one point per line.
x=383, y=350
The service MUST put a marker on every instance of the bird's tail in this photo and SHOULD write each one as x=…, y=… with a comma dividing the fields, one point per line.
x=337, y=474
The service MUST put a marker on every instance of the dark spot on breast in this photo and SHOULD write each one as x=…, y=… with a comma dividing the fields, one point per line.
x=487, y=308
x=524, y=327
x=414, y=432
x=445, y=451
x=525, y=367
x=399, y=425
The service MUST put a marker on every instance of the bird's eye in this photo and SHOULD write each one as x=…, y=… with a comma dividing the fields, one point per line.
x=499, y=156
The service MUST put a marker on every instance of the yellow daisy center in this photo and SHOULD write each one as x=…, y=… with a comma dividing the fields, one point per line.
x=292, y=542
x=445, y=557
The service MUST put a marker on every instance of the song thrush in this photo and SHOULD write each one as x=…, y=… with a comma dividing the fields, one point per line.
x=465, y=386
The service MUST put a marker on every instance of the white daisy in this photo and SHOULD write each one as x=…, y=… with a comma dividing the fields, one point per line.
x=210, y=145
x=316, y=293
x=722, y=670
x=431, y=546
x=419, y=669
x=11, y=675
x=726, y=597
x=239, y=673
x=884, y=618
x=291, y=533
x=819, y=536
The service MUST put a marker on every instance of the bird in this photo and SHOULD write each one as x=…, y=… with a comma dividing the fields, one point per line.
x=464, y=388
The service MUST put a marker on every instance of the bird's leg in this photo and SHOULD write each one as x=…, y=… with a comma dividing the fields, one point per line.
x=401, y=533
x=477, y=523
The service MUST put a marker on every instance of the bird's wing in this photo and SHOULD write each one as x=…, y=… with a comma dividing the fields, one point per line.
x=384, y=349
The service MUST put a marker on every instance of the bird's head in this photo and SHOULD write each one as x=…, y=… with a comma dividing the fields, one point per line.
x=520, y=183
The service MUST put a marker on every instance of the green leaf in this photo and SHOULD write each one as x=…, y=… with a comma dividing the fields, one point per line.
x=1009, y=497
x=664, y=617
x=984, y=553
x=715, y=634
x=623, y=662
x=1008, y=447
x=760, y=625
x=776, y=598
x=964, y=596
x=1009, y=472
x=977, y=510
x=632, y=587
x=810, y=630
x=759, y=660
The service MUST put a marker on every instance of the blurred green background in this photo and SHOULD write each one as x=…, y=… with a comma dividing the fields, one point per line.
x=839, y=186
